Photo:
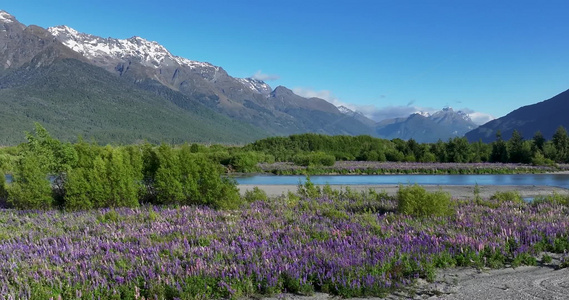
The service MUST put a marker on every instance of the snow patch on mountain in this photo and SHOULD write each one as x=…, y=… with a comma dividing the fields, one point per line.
x=255, y=85
x=345, y=110
x=448, y=112
x=6, y=17
x=423, y=113
x=149, y=53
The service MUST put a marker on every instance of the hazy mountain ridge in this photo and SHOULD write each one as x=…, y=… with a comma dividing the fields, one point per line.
x=427, y=128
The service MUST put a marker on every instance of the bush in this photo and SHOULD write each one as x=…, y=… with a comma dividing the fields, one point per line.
x=553, y=198
x=255, y=195
x=314, y=159
x=3, y=190
x=415, y=200
x=245, y=162
x=513, y=196
x=308, y=189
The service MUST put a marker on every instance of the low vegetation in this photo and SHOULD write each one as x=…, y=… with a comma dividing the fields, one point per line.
x=341, y=242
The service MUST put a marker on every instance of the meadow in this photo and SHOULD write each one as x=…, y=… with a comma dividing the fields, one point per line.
x=343, y=243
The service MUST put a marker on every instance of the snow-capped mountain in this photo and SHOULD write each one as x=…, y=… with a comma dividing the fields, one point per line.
x=345, y=110
x=256, y=85
x=423, y=113
x=448, y=115
x=427, y=128
x=149, y=53
x=148, y=67
x=6, y=17
x=357, y=115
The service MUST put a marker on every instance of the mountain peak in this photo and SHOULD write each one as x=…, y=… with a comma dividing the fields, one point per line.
x=345, y=110
x=148, y=53
x=281, y=90
x=256, y=85
x=6, y=17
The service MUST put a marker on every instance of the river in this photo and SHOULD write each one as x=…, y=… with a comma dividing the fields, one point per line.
x=556, y=180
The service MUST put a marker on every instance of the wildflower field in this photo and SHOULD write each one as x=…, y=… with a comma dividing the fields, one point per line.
x=344, y=243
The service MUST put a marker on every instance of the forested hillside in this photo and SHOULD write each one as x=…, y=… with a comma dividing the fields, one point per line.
x=71, y=98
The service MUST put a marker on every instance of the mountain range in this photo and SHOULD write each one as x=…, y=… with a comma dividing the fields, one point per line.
x=425, y=127
x=126, y=90
x=129, y=90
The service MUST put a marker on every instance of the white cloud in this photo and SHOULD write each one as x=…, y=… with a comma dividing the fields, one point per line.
x=259, y=75
x=390, y=112
x=323, y=94
x=478, y=117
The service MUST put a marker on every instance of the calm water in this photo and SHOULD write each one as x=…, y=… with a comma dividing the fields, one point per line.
x=558, y=180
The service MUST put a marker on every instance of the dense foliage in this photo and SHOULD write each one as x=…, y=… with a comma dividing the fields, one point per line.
x=73, y=98
x=319, y=150
x=339, y=242
x=47, y=173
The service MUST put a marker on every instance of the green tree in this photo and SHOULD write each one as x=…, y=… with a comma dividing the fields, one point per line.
x=122, y=180
x=519, y=152
x=458, y=150
x=169, y=189
x=245, y=162
x=213, y=189
x=78, y=190
x=55, y=157
x=499, y=149
x=439, y=150
x=30, y=188
x=538, y=142
x=100, y=190
x=561, y=143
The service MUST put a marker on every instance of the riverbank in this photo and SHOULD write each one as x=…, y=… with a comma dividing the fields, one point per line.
x=383, y=168
x=544, y=281
x=456, y=191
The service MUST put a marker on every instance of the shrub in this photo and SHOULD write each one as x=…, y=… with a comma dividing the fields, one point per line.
x=255, y=195
x=513, y=196
x=314, y=159
x=245, y=162
x=3, y=190
x=415, y=200
x=553, y=198
x=308, y=189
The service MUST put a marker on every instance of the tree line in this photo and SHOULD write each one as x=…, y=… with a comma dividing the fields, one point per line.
x=47, y=173
x=311, y=148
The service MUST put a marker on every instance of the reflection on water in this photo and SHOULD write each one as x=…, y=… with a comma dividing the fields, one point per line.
x=558, y=180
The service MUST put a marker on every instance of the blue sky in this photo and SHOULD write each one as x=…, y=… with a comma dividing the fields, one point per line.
x=385, y=58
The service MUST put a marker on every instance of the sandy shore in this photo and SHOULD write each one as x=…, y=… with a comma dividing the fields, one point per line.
x=457, y=191
x=544, y=281
x=523, y=283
